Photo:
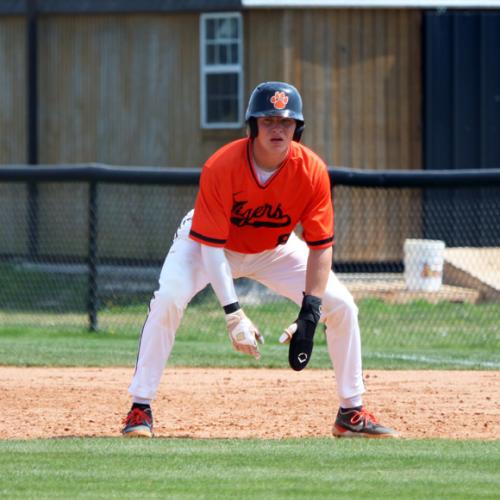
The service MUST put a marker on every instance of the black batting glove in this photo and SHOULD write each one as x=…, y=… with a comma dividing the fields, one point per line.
x=300, y=334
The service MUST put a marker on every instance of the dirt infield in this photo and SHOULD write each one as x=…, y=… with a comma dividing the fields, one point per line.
x=245, y=403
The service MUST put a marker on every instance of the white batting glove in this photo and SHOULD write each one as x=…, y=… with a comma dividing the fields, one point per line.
x=243, y=334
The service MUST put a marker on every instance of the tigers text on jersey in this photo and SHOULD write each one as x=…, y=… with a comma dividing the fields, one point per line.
x=235, y=211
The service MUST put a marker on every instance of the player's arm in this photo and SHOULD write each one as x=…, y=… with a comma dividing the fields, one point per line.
x=243, y=334
x=319, y=264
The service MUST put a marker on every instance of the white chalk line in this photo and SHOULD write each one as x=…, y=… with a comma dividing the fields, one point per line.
x=434, y=360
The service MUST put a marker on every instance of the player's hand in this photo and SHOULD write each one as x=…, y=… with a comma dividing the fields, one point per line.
x=300, y=334
x=243, y=334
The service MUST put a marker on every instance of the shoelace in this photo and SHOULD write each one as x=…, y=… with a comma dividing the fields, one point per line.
x=136, y=416
x=364, y=415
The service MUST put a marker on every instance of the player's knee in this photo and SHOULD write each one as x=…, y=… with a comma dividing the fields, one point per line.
x=165, y=312
x=167, y=302
x=342, y=318
x=340, y=307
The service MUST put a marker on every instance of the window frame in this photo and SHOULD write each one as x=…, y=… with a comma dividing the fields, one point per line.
x=208, y=69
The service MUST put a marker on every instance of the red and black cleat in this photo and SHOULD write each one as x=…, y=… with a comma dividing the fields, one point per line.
x=138, y=423
x=358, y=422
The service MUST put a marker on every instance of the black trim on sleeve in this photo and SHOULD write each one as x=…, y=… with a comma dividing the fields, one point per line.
x=231, y=308
x=206, y=238
x=320, y=242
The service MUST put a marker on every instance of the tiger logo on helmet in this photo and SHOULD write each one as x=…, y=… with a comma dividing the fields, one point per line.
x=279, y=100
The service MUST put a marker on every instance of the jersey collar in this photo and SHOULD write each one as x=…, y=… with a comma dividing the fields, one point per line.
x=252, y=167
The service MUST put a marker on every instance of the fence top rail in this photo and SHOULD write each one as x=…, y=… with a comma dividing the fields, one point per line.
x=415, y=178
x=190, y=176
x=101, y=173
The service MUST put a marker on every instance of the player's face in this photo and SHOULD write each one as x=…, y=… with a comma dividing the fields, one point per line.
x=275, y=133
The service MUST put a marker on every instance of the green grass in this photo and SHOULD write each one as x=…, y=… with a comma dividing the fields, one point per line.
x=443, y=335
x=306, y=468
x=418, y=335
x=43, y=321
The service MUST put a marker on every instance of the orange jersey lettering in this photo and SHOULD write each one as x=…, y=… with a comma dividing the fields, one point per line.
x=235, y=211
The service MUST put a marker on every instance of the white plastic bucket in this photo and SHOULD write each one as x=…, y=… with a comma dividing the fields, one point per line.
x=424, y=261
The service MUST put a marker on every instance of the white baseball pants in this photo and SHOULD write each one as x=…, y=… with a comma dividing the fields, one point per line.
x=281, y=270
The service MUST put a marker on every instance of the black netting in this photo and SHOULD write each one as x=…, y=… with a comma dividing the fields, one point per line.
x=83, y=255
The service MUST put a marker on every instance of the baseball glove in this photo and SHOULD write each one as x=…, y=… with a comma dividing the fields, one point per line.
x=300, y=334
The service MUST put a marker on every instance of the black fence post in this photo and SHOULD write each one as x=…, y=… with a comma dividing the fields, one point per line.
x=92, y=292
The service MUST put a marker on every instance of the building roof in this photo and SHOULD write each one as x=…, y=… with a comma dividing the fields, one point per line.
x=356, y=4
x=17, y=7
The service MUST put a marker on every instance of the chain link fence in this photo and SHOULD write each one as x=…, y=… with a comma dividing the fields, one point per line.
x=84, y=250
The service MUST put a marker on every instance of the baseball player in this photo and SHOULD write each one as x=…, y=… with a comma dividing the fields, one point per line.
x=253, y=192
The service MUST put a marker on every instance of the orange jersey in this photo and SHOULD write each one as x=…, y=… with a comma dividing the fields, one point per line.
x=235, y=211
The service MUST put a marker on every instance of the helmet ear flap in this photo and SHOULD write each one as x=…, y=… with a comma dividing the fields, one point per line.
x=298, y=131
x=252, y=125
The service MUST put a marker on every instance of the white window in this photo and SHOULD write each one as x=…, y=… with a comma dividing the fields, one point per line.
x=221, y=50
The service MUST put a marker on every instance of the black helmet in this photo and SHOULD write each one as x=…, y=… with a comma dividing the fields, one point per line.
x=275, y=99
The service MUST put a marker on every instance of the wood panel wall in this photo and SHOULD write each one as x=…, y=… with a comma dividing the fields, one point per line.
x=13, y=204
x=119, y=89
x=124, y=89
x=12, y=90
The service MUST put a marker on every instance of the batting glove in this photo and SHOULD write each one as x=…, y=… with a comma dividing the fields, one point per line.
x=243, y=334
x=300, y=334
